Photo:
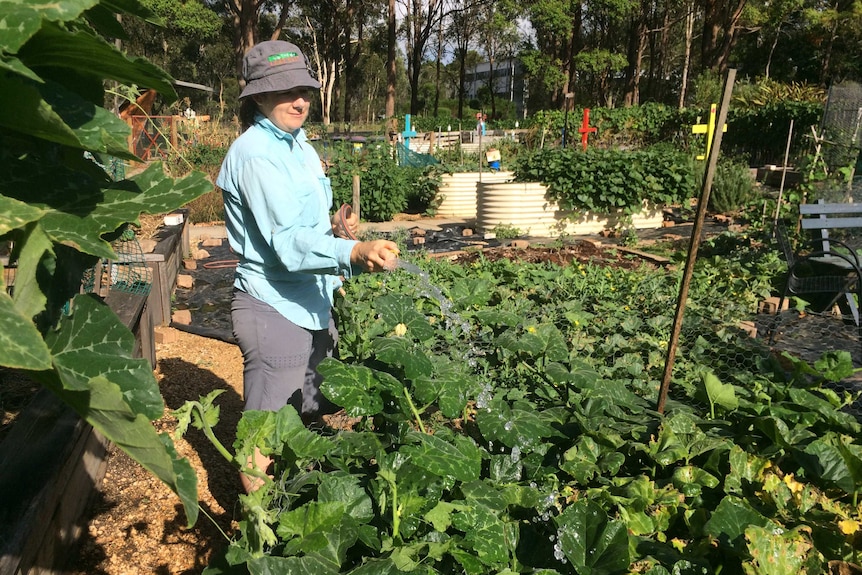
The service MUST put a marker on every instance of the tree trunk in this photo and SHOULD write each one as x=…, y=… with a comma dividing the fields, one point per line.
x=637, y=45
x=689, y=33
x=437, y=71
x=720, y=19
x=391, y=76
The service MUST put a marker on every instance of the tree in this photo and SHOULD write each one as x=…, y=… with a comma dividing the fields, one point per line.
x=463, y=27
x=423, y=16
x=499, y=38
x=719, y=32
x=60, y=210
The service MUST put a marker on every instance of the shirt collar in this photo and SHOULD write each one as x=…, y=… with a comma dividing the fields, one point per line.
x=289, y=137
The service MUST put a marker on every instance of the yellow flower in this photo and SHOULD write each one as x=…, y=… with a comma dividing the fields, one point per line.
x=531, y=329
x=795, y=486
x=848, y=526
x=400, y=329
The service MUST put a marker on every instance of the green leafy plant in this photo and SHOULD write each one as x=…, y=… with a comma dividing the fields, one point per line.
x=503, y=421
x=733, y=186
x=385, y=187
x=506, y=232
x=60, y=210
x=603, y=181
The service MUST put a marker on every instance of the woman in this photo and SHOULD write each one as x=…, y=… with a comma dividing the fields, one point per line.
x=277, y=202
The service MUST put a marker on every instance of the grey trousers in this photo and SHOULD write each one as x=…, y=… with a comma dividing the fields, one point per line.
x=280, y=358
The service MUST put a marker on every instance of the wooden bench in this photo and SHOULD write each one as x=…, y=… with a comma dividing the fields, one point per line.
x=819, y=218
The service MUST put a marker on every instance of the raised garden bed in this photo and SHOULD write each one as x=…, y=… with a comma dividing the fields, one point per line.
x=51, y=462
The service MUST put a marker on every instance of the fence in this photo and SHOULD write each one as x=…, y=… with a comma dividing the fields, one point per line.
x=156, y=136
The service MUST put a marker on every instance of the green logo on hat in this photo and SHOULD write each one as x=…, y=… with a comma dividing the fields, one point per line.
x=282, y=58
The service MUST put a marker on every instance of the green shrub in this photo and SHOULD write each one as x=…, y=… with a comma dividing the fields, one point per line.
x=385, y=187
x=606, y=180
x=732, y=185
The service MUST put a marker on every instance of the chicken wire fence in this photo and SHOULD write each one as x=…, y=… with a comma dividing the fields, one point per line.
x=840, y=135
x=129, y=273
x=739, y=345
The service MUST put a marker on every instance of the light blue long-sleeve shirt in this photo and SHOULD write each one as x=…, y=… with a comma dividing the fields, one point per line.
x=277, y=201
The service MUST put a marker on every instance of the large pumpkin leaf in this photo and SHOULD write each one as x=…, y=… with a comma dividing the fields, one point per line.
x=513, y=427
x=396, y=351
x=461, y=460
x=775, y=552
x=593, y=544
x=358, y=389
x=318, y=529
x=76, y=210
x=21, y=20
x=730, y=520
x=21, y=344
x=399, y=309
x=484, y=532
x=541, y=341
x=16, y=214
x=93, y=343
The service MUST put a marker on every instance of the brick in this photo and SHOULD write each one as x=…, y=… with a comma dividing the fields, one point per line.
x=521, y=244
x=418, y=232
x=190, y=264
x=770, y=305
x=211, y=242
x=200, y=254
x=166, y=335
x=418, y=241
x=748, y=327
x=466, y=232
x=147, y=245
x=182, y=316
x=185, y=281
x=668, y=223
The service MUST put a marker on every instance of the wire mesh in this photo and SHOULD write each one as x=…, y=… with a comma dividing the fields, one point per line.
x=407, y=157
x=841, y=127
x=129, y=273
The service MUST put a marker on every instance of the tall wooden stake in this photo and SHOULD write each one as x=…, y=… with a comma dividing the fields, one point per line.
x=783, y=175
x=356, y=194
x=694, y=242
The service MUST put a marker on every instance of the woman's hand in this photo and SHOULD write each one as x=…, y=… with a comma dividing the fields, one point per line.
x=375, y=256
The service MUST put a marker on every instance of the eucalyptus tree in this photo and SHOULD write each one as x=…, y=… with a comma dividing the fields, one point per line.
x=721, y=19
x=463, y=27
x=835, y=32
x=558, y=37
x=245, y=18
x=422, y=17
x=499, y=38
x=186, y=43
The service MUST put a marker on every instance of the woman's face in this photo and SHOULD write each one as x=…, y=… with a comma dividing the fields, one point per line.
x=287, y=110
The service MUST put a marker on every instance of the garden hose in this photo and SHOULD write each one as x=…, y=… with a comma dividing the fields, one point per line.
x=344, y=213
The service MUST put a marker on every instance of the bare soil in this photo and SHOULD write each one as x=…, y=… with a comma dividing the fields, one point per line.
x=136, y=524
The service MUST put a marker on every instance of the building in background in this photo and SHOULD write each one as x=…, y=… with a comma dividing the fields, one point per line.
x=508, y=83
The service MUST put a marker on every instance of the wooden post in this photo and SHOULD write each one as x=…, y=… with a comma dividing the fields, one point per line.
x=694, y=243
x=175, y=120
x=356, y=195
x=783, y=175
